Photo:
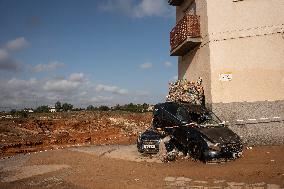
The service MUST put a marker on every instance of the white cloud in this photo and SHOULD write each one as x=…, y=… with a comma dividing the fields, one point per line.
x=3, y=54
x=60, y=85
x=7, y=63
x=65, y=85
x=101, y=99
x=151, y=8
x=75, y=89
x=144, y=8
x=21, y=84
x=109, y=88
x=33, y=91
x=17, y=44
x=75, y=81
x=146, y=65
x=17, y=91
x=77, y=77
x=175, y=77
x=47, y=67
x=167, y=64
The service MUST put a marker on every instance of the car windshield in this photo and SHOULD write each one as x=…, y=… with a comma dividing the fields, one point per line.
x=202, y=118
x=210, y=119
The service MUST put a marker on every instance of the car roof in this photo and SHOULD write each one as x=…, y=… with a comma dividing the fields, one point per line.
x=189, y=107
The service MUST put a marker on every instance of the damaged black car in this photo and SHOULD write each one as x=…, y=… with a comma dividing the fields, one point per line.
x=198, y=131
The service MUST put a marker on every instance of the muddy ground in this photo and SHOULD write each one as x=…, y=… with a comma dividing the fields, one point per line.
x=119, y=166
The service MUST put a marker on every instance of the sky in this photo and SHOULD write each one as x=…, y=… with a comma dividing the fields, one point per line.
x=91, y=52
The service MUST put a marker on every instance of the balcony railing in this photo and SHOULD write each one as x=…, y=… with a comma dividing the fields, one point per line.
x=175, y=2
x=185, y=35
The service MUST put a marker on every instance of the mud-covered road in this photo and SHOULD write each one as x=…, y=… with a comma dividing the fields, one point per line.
x=119, y=166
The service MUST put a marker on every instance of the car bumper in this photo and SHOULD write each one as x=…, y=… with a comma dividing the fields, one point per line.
x=211, y=155
x=151, y=151
x=142, y=147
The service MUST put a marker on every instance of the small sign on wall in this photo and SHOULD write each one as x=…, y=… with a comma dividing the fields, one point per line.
x=228, y=76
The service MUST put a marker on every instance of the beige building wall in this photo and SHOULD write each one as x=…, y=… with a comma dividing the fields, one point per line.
x=195, y=63
x=243, y=45
x=247, y=43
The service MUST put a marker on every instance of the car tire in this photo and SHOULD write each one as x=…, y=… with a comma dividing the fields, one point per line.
x=139, y=147
x=196, y=152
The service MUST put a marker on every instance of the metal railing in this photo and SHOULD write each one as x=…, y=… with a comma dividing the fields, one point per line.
x=188, y=26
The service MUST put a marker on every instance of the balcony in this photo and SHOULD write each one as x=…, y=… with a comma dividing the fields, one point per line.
x=175, y=2
x=185, y=35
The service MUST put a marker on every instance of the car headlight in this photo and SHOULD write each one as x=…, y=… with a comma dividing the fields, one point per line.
x=213, y=146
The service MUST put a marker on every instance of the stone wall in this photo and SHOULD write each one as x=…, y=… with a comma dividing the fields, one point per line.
x=258, y=123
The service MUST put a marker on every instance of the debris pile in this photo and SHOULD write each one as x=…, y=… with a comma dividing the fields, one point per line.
x=186, y=91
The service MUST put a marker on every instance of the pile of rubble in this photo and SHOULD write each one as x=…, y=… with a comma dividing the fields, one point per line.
x=186, y=91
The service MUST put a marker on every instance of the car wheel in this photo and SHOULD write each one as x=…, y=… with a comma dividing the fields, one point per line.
x=139, y=147
x=197, y=152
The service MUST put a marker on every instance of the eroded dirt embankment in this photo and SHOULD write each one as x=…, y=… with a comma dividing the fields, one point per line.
x=53, y=130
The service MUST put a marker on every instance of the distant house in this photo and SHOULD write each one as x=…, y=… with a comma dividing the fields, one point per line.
x=150, y=108
x=29, y=110
x=52, y=109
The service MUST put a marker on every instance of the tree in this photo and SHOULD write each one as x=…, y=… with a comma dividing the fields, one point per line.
x=104, y=108
x=42, y=109
x=58, y=106
x=22, y=114
x=90, y=108
x=67, y=107
x=117, y=107
x=145, y=106
x=78, y=109
x=13, y=112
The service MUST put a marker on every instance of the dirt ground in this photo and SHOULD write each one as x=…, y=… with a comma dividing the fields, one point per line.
x=121, y=166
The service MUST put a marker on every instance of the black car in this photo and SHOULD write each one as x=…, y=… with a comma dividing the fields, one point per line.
x=199, y=132
x=148, y=142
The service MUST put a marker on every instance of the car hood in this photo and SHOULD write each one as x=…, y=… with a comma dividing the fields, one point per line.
x=150, y=135
x=222, y=135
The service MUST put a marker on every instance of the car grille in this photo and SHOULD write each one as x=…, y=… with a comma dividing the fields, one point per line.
x=151, y=142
